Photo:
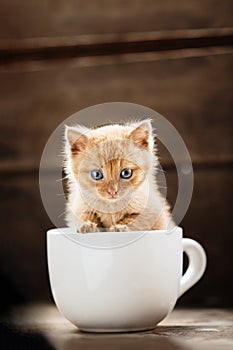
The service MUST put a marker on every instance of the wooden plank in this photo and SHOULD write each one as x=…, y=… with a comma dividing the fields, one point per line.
x=208, y=220
x=13, y=50
x=46, y=53
x=41, y=325
x=49, y=18
x=23, y=220
x=72, y=61
x=193, y=93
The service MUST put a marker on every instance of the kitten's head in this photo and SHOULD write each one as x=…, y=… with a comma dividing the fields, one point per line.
x=112, y=161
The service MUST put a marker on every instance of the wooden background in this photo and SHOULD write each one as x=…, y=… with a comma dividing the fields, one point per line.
x=58, y=57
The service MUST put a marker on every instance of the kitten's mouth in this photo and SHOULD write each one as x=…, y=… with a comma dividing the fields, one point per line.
x=112, y=197
x=115, y=196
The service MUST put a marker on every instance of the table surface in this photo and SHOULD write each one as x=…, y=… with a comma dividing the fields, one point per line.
x=43, y=325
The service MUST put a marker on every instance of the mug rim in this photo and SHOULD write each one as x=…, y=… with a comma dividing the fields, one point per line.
x=100, y=237
x=67, y=231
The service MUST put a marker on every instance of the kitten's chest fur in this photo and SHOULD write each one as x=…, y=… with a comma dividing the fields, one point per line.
x=106, y=220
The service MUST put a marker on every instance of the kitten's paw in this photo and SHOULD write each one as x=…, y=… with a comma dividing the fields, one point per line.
x=89, y=227
x=119, y=228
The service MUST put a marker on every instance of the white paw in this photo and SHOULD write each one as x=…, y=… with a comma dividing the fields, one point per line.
x=119, y=228
x=88, y=227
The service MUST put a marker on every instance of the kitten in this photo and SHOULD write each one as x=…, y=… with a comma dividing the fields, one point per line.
x=111, y=179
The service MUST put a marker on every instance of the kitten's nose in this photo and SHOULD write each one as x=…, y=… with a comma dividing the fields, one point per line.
x=112, y=191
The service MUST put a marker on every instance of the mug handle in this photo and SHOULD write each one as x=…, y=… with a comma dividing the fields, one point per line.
x=197, y=264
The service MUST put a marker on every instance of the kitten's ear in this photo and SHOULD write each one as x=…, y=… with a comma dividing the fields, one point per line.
x=76, y=138
x=142, y=134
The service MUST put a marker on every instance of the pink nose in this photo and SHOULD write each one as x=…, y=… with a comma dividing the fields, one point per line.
x=112, y=191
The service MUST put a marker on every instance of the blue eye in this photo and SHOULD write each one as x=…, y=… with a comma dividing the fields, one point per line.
x=97, y=174
x=126, y=173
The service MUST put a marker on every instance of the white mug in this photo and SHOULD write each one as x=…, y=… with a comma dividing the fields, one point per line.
x=120, y=281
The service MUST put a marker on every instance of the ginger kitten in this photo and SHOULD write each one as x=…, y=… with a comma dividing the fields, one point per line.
x=111, y=179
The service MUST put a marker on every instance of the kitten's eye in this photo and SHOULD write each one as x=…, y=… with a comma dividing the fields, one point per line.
x=97, y=174
x=126, y=173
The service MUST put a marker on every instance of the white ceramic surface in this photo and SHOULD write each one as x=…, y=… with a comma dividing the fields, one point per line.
x=103, y=285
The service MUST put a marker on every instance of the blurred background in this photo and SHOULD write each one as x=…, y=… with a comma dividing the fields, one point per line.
x=57, y=57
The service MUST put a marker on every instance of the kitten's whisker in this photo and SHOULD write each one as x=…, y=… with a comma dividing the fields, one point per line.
x=62, y=214
x=63, y=178
x=161, y=170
